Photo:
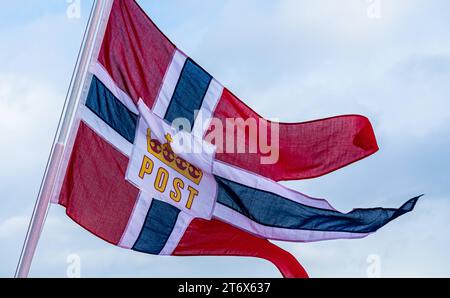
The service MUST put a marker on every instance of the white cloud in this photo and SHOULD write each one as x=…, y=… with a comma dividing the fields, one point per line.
x=28, y=112
x=11, y=226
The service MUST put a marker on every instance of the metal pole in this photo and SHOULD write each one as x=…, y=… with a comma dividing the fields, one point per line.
x=43, y=201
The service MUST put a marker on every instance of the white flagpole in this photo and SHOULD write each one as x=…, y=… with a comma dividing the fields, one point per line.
x=43, y=201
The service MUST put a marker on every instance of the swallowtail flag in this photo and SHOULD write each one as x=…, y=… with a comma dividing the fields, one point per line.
x=128, y=177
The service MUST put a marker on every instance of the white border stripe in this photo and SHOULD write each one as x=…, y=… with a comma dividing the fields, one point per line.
x=105, y=131
x=240, y=221
x=253, y=180
x=259, y=182
x=136, y=221
x=207, y=109
x=102, y=74
x=183, y=222
x=169, y=84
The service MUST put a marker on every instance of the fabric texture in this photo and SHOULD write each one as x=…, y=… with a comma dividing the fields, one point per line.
x=135, y=52
x=94, y=192
x=307, y=150
x=215, y=238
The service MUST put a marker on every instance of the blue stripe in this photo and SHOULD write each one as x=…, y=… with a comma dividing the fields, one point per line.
x=189, y=93
x=159, y=223
x=105, y=105
x=273, y=210
x=161, y=217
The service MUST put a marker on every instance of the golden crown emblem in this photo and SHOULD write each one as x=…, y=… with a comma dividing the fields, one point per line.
x=164, y=153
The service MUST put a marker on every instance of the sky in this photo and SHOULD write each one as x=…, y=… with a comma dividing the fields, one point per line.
x=295, y=60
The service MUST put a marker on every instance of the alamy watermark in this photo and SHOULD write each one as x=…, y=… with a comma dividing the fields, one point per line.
x=231, y=135
x=374, y=266
x=73, y=9
x=73, y=266
x=374, y=9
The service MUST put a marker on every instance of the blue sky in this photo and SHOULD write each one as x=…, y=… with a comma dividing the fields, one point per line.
x=294, y=60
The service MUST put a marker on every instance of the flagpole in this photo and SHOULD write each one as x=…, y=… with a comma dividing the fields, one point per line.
x=43, y=200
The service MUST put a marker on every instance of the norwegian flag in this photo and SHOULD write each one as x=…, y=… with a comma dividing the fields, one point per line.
x=127, y=182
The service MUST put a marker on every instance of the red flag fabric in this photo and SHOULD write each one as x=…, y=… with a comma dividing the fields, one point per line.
x=216, y=238
x=135, y=52
x=306, y=150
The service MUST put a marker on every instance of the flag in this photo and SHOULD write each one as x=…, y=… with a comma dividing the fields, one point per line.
x=132, y=178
